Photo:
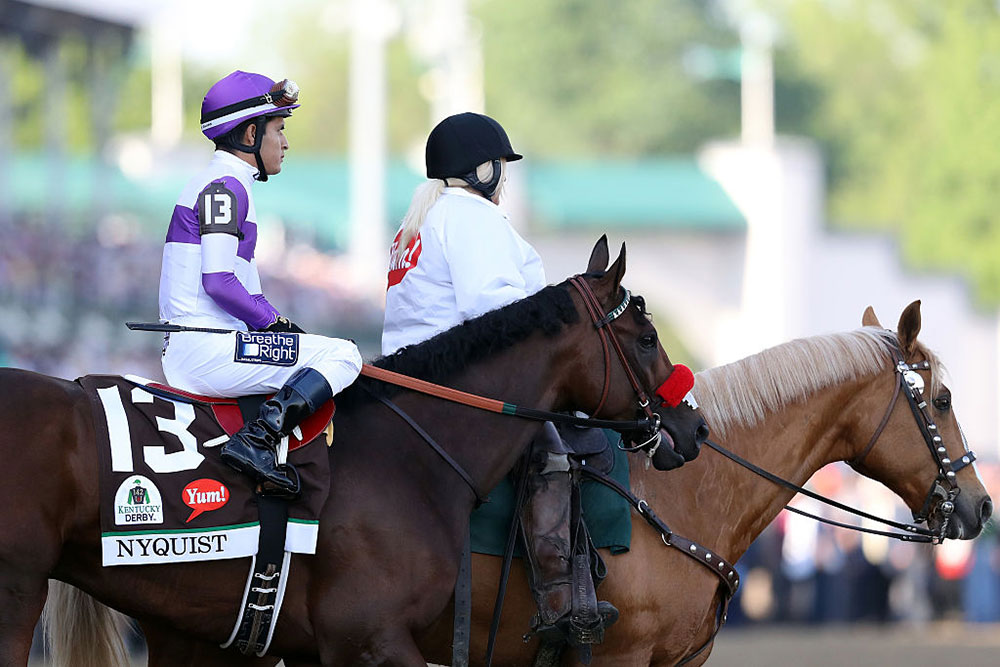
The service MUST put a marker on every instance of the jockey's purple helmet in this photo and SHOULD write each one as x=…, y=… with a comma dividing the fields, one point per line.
x=243, y=95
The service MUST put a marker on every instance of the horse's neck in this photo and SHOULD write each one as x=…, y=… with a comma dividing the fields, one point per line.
x=488, y=445
x=724, y=506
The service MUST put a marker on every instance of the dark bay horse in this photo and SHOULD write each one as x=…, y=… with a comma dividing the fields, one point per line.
x=392, y=528
x=791, y=409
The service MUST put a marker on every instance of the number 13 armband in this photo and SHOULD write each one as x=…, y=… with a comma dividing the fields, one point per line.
x=218, y=210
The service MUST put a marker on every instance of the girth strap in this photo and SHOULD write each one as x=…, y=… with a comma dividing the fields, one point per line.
x=265, y=587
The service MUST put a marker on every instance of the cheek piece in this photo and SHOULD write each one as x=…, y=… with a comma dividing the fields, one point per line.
x=677, y=386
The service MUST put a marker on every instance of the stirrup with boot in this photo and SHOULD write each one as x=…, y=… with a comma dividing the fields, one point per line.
x=253, y=449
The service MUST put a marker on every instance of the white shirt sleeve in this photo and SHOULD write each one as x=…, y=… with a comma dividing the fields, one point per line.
x=218, y=253
x=253, y=279
x=485, y=262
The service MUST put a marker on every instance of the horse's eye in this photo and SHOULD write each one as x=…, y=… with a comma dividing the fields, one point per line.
x=648, y=342
x=942, y=402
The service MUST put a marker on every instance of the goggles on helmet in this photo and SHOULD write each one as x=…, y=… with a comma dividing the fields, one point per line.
x=284, y=93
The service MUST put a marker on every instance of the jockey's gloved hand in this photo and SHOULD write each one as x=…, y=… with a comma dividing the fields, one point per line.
x=283, y=325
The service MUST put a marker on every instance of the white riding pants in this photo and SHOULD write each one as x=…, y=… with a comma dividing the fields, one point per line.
x=230, y=365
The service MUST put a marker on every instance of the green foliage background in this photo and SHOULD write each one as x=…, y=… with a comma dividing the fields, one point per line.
x=901, y=94
x=582, y=78
x=905, y=102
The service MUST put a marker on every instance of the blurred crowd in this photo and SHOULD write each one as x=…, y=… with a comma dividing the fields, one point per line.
x=65, y=295
x=803, y=571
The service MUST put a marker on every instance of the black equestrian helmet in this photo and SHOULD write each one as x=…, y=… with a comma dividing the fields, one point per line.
x=460, y=143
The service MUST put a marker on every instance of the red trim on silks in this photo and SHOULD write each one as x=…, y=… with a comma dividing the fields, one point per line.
x=677, y=386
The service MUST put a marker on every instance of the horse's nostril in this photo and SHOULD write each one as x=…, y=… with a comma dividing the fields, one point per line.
x=986, y=510
x=701, y=435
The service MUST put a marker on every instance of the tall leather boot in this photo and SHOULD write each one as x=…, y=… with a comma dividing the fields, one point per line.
x=568, y=609
x=253, y=449
x=545, y=526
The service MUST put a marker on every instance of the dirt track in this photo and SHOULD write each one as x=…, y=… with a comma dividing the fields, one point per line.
x=924, y=646
x=961, y=645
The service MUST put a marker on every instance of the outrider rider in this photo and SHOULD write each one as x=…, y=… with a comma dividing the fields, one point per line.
x=209, y=279
x=456, y=256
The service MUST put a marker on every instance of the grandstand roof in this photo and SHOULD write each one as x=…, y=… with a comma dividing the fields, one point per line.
x=312, y=194
x=40, y=23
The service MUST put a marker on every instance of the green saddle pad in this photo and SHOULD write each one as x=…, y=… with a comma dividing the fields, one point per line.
x=607, y=514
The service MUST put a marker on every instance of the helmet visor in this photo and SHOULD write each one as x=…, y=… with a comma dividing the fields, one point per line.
x=283, y=95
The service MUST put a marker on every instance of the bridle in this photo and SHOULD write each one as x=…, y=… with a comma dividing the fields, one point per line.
x=602, y=323
x=944, y=487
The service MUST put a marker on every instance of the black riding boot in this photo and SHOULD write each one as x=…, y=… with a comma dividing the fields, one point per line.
x=253, y=449
x=546, y=528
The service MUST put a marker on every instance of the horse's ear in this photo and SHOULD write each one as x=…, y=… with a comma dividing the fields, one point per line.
x=909, y=327
x=599, y=256
x=616, y=272
x=869, y=319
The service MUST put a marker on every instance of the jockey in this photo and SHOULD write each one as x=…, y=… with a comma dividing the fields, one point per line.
x=209, y=278
x=455, y=257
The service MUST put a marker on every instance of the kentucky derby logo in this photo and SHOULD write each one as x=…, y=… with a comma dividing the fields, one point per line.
x=398, y=266
x=138, y=501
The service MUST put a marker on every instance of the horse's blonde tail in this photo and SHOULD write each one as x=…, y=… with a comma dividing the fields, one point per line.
x=82, y=632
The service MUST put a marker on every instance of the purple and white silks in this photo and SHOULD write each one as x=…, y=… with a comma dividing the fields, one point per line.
x=211, y=279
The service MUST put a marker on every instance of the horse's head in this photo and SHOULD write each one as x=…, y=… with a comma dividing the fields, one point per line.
x=626, y=373
x=916, y=446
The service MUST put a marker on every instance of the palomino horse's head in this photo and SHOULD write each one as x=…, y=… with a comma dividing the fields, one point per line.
x=628, y=374
x=916, y=447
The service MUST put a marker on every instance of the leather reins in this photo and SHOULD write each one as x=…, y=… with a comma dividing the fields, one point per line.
x=910, y=384
x=650, y=424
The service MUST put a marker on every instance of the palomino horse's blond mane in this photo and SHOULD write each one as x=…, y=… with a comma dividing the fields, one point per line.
x=742, y=393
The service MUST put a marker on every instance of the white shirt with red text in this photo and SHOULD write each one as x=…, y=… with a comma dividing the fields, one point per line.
x=466, y=260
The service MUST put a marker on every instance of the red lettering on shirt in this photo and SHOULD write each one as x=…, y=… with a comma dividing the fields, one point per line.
x=398, y=266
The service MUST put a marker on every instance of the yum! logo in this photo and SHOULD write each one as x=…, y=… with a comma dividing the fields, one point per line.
x=204, y=495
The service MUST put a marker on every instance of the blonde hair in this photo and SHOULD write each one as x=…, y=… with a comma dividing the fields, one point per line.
x=427, y=194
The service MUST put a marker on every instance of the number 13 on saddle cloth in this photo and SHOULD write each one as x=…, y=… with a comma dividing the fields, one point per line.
x=165, y=495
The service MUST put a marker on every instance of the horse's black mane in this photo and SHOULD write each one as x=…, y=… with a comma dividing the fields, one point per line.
x=444, y=355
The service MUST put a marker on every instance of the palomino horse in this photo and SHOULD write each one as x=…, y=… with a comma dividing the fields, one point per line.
x=391, y=531
x=791, y=409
